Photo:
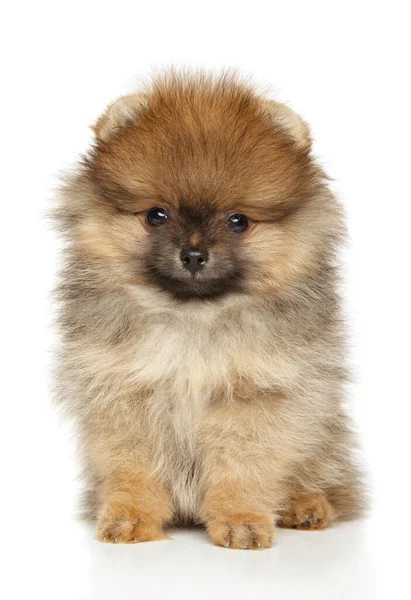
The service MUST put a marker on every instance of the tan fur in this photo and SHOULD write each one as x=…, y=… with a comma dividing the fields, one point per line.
x=134, y=506
x=310, y=511
x=219, y=411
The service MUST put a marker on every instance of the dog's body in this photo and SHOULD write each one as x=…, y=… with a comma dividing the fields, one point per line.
x=214, y=395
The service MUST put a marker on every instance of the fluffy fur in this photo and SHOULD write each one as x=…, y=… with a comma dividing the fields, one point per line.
x=215, y=398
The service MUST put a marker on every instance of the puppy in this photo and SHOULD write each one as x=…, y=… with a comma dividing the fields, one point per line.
x=202, y=352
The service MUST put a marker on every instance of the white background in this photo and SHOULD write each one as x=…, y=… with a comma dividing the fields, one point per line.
x=345, y=67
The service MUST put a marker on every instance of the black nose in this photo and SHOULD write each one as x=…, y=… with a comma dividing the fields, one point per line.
x=194, y=260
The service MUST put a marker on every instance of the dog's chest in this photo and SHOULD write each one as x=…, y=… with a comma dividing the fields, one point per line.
x=185, y=354
x=190, y=361
x=187, y=364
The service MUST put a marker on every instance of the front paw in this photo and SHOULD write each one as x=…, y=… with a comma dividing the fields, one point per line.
x=127, y=527
x=242, y=530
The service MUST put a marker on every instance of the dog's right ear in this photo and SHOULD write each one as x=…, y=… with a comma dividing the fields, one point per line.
x=119, y=114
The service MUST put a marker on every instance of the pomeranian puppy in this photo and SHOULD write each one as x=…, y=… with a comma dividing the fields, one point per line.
x=202, y=347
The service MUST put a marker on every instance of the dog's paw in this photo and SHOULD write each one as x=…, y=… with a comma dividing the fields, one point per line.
x=242, y=530
x=126, y=528
x=310, y=511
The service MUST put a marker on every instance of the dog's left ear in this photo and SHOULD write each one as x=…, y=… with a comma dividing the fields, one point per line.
x=290, y=121
x=121, y=113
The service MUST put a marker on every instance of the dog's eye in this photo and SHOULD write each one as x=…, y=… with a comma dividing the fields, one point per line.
x=237, y=223
x=156, y=216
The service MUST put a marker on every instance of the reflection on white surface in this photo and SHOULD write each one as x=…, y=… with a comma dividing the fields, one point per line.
x=189, y=566
x=334, y=564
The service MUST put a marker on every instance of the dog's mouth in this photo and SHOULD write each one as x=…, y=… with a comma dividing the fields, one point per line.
x=197, y=286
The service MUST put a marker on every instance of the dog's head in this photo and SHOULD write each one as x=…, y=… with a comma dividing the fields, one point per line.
x=200, y=187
